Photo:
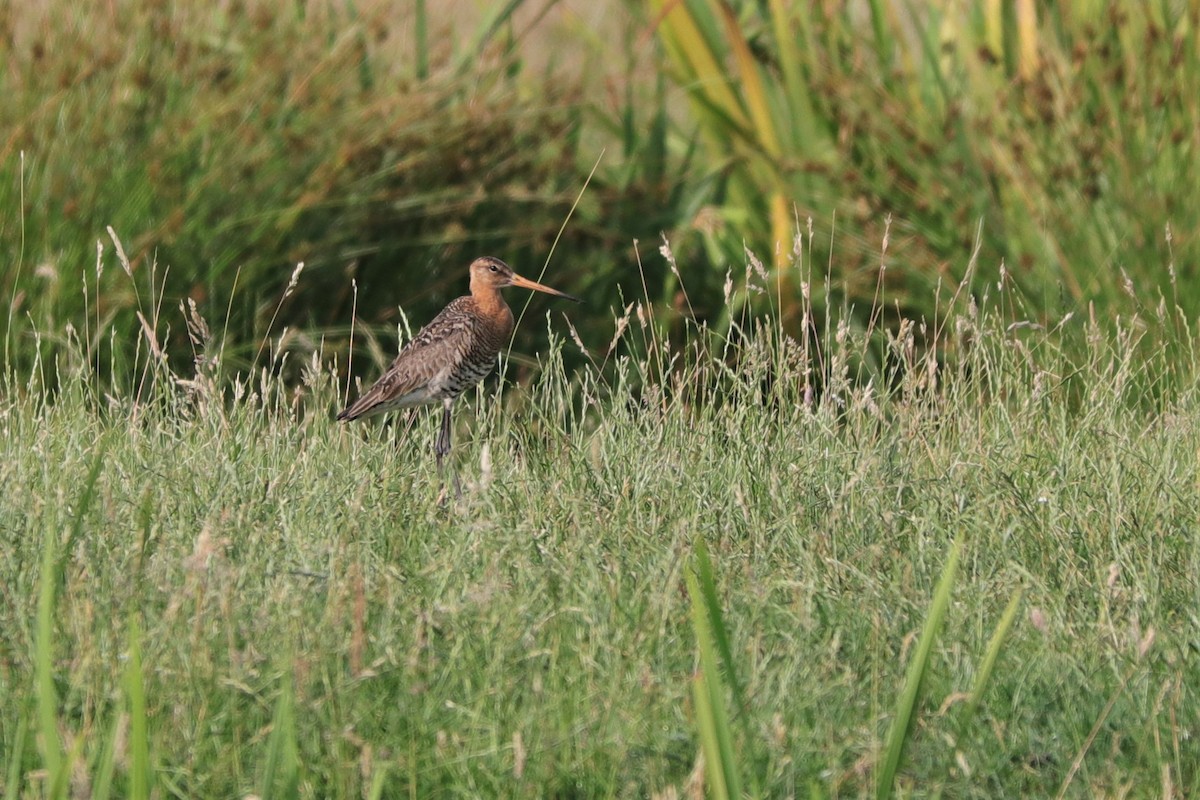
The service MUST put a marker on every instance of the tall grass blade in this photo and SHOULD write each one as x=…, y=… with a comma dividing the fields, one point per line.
x=102, y=782
x=486, y=31
x=929, y=51
x=716, y=740
x=692, y=52
x=902, y=723
x=20, y=267
x=983, y=677
x=281, y=772
x=799, y=105
x=421, y=32
x=146, y=511
x=81, y=507
x=883, y=36
x=712, y=639
x=762, y=124
x=714, y=620
x=1027, y=39
x=707, y=725
x=993, y=27
x=763, y=129
x=139, y=736
x=47, y=697
x=378, y=781
x=12, y=775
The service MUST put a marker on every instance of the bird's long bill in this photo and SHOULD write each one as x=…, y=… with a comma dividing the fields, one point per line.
x=525, y=283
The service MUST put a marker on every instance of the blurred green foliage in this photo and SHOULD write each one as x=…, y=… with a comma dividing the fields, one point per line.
x=1065, y=134
x=226, y=147
x=385, y=148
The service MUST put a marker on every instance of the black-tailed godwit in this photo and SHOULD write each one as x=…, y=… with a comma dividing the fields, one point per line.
x=452, y=353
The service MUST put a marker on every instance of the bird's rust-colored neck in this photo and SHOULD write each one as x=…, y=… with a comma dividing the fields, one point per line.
x=489, y=301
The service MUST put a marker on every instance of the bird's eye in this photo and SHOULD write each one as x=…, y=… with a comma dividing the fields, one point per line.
x=493, y=268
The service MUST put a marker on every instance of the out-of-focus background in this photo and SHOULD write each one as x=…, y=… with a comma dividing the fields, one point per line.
x=386, y=144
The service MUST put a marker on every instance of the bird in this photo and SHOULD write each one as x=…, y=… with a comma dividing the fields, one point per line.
x=455, y=351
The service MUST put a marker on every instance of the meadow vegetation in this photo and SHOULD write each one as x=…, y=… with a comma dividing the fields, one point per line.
x=869, y=466
x=1066, y=129
x=213, y=589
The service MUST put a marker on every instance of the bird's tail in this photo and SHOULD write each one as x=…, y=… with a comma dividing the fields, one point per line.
x=355, y=410
x=380, y=399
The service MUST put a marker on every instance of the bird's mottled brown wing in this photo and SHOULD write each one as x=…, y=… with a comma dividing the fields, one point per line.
x=420, y=371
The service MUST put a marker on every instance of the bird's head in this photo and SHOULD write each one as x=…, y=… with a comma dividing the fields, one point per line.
x=489, y=272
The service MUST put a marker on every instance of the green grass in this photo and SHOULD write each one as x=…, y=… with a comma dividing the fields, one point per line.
x=947, y=555
x=260, y=600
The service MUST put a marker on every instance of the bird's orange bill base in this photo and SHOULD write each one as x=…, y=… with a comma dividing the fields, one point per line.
x=525, y=283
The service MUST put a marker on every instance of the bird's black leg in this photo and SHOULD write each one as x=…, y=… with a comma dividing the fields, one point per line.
x=442, y=448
